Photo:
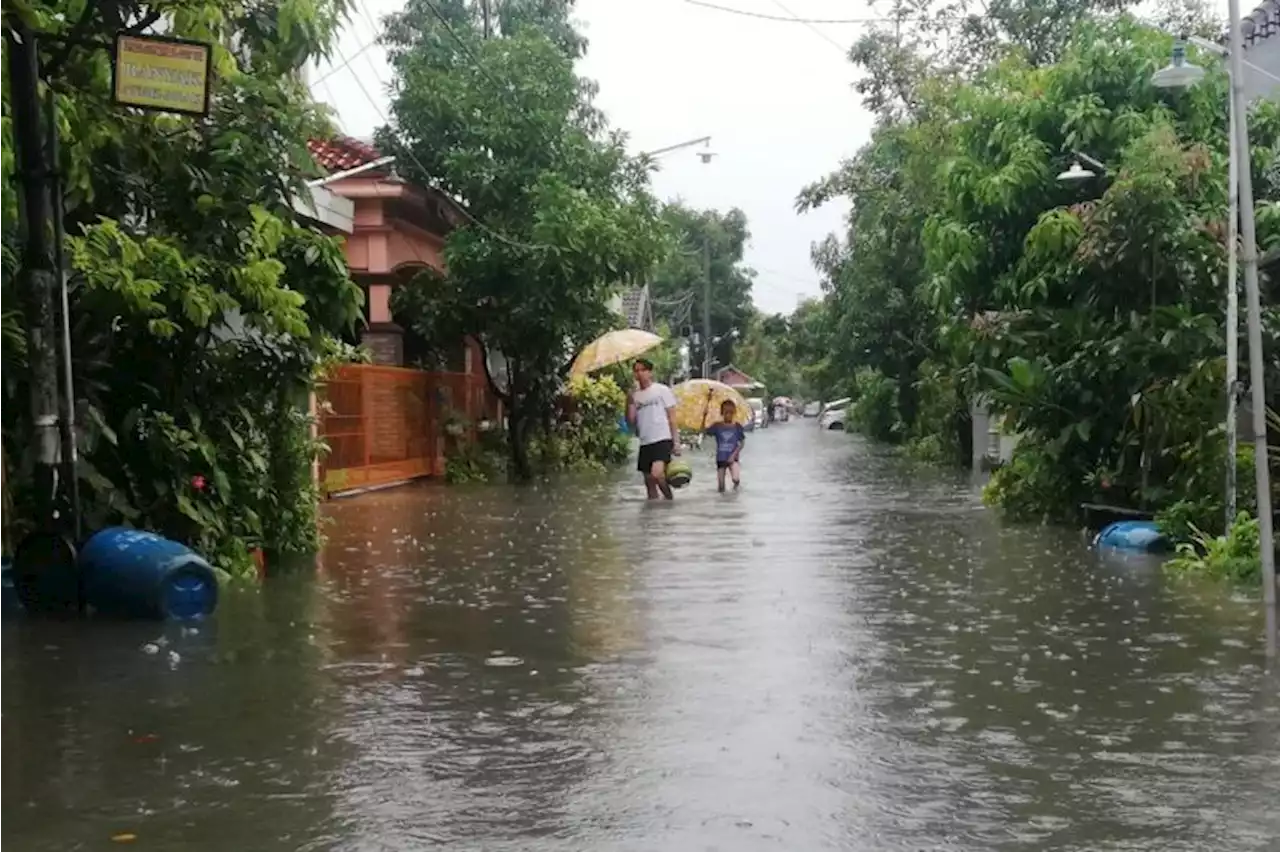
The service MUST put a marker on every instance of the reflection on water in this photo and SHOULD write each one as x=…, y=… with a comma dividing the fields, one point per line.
x=848, y=654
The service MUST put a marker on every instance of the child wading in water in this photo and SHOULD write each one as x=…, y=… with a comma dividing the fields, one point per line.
x=730, y=437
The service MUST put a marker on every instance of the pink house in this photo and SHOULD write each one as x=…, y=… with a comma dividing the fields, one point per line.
x=397, y=229
x=384, y=423
x=738, y=380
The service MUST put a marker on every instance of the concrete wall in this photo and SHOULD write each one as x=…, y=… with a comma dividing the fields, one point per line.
x=990, y=443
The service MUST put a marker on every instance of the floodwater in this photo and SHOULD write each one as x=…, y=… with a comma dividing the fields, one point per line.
x=849, y=654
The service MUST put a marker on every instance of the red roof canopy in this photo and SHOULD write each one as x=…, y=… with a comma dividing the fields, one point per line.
x=341, y=153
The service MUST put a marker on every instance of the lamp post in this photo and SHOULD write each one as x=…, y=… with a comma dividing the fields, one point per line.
x=705, y=157
x=1180, y=73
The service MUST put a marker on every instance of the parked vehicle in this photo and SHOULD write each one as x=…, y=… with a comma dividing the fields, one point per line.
x=833, y=418
x=834, y=405
x=813, y=409
x=758, y=415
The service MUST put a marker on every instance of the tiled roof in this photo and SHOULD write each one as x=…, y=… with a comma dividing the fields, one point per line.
x=341, y=153
x=1262, y=24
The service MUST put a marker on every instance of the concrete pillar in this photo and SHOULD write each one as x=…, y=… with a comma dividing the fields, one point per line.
x=383, y=338
x=385, y=343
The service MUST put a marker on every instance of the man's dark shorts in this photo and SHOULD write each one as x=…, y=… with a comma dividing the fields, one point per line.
x=658, y=451
x=723, y=464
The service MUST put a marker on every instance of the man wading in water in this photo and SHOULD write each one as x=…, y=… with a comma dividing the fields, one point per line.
x=651, y=411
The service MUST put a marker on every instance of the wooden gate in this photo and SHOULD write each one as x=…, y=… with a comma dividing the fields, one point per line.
x=384, y=425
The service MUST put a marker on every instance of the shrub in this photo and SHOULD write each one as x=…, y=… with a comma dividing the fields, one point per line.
x=588, y=437
x=1234, y=556
x=874, y=411
x=1032, y=487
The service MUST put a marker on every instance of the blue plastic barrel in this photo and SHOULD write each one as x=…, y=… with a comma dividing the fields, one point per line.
x=1139, y=536
x=138, y=574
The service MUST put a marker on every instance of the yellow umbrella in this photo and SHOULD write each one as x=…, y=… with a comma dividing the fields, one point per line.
x=698, y=404
x=613, y=348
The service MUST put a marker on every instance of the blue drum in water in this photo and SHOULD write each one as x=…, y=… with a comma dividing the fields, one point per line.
x=1134, y=536
x=137, y=574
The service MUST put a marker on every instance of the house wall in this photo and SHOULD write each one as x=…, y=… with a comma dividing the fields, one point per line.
x=379, y=246
x=1265, y=55
x=1264, y=52
x=990, y=442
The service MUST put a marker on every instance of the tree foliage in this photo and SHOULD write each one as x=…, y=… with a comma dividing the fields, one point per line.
x=559, y=215
x=1090, y=312
x=202, y=308
x=707, y=242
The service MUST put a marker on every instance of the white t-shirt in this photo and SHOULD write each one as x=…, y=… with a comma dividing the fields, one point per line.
x=652, y=404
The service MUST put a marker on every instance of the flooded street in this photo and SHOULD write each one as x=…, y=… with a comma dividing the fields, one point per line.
x=849, y=654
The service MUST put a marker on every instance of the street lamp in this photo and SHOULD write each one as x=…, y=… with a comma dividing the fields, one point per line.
x=701, y=140
x=1181, y=73
x=1078, y=172
x=1075, y=173
x=705, y=157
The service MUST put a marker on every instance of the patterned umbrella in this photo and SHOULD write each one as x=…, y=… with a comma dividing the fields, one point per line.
x=613, y=348
x=698, y=404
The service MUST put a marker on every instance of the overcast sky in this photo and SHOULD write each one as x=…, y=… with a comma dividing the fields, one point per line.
x=775, y=96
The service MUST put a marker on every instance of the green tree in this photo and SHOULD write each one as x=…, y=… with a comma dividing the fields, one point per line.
x=559, y=215
x=678, y=283
x=202, y=308
x=1090, y=313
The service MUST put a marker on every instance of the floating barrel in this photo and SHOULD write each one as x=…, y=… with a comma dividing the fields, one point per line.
x=138, y=574
x=1137, y=536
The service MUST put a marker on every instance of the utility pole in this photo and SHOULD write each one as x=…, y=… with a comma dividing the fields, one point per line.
x=37, y=281
x=484, y=10
x=706, y=304
x=1233, y=316
x=1249, y=270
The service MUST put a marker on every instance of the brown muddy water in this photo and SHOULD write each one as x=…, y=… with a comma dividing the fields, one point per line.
x=849, y=654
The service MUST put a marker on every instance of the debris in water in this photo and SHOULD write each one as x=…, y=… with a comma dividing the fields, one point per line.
x=504, y=662
x=151, y=648
x=124, y=837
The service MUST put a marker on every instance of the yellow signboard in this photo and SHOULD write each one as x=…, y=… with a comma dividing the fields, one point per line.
x=164, y=74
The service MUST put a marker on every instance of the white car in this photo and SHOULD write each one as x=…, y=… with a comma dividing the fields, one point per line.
x=813, y=409
x=758, y=418
x=833, y=417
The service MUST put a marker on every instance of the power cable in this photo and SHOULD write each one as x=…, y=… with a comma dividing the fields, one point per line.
x=813, y=29
x=466, y=48
x=790, y=18
x=503, y=238
x=374, y=32
x=362, y=50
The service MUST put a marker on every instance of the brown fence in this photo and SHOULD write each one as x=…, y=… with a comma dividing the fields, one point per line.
x=385, y=424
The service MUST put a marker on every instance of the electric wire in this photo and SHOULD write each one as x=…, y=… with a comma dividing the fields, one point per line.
x=503, y=238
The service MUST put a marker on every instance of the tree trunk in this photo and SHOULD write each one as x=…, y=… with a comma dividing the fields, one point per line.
x=518, y=424
x=518, y=441
x=908, y=393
